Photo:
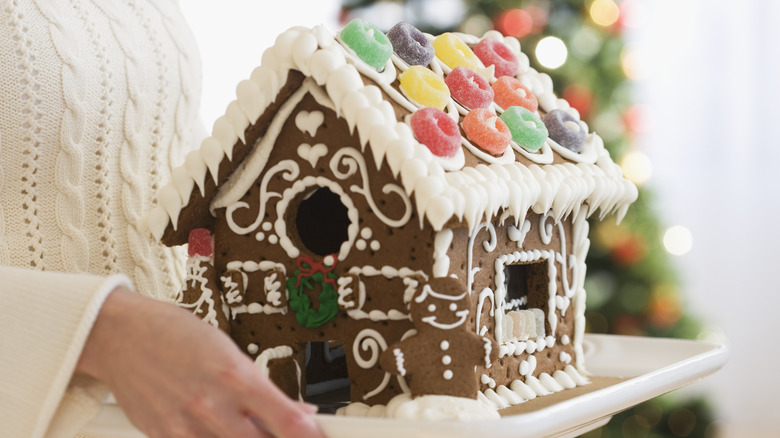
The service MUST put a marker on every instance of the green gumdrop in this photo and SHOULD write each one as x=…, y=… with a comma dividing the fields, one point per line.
x=368, y=42
x=526, y=127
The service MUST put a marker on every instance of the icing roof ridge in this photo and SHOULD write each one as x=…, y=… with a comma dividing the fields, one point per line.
x=442, y=189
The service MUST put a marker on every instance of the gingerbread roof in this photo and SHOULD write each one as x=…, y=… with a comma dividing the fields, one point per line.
x=472, y=187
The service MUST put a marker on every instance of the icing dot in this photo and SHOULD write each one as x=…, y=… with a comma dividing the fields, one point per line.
x=368, y=42
x=375, y=245
x=448, y=375
x=365, y=233
x=524, y=368
x=329, y=260
x=360, y=245
x=267, y=226
x=410, y=44
x=273, y=239
x=431, y=307
x=444, y=345
x=252, y=348
x=260, y=236
x=453, y=307
x=565, y=339
x=446, y=359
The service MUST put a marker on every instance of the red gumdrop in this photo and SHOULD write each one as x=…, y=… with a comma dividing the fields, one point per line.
x=511, y=92
x=200, y=243
x=487, y=130
x=436, y=130
x=493, y=52
x=469, y=88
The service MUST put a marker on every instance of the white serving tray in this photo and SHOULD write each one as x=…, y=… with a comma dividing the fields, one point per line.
x=654, y=366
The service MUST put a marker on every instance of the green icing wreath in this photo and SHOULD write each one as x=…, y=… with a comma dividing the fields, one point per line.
x=301, y=304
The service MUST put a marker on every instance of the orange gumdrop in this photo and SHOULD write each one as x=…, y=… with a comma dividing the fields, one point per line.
x=487, y=130
x=510, y=91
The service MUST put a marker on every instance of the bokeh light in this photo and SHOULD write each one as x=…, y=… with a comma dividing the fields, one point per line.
x=515, y=22
x=678, y=240
x=551, y=52
x=604, y=12
x=637, y=167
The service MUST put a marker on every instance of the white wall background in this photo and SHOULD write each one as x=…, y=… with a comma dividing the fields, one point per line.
x=712, y=70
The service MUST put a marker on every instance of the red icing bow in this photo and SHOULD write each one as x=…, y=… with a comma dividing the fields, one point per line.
x=308, y=266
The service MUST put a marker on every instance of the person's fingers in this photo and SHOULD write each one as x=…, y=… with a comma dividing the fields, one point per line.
x=224, y=422
x=280, y=415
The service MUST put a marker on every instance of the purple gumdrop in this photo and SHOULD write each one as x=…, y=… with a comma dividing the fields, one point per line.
x=565, y=130
x=469, y=88
x=410, y=44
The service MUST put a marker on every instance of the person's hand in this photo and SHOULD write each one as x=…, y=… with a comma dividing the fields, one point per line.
x=175, y=376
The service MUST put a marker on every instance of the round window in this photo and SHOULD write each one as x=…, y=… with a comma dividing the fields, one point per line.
x=322, y=222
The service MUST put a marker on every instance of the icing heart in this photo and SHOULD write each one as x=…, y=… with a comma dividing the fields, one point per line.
x=312, y=154
x=309, y=121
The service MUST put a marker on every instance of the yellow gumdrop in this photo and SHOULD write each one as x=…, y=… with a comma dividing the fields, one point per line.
x=453, y=52
x=425, y=87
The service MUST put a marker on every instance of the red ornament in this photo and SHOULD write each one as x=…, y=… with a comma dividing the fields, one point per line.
x=580, y=98
x=514, y=22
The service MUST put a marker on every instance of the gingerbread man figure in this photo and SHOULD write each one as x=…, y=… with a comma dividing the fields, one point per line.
x=439, y=358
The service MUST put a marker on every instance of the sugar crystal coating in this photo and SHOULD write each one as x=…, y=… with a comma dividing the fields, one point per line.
x=424, y=87
x=410, y=44
x=368, y=42
x=526, y=127
x=469, y=88
x=565, y=130
x=487, y=130
x=200, y=243
x=453, y=52
x=498, y=54
x=511, y=92
x=436, y=130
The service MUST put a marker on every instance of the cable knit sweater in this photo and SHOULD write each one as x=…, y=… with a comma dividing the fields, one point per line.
x=98, y=100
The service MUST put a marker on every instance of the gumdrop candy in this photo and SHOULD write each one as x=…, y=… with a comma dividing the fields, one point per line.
x=425, y=87
x=487, y=130
x=410, y=44
x=453, y=52
x=200, y=243
x=469, y=88
x=526, y=127
x=368, y=42
x=436, y=130
x=511, y=92
x=498, y=54
x=565, y=130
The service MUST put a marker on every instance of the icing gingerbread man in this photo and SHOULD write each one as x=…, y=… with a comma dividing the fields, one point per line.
x=440, y=357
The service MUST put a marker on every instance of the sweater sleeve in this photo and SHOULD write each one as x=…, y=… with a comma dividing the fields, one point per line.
x=45, y=319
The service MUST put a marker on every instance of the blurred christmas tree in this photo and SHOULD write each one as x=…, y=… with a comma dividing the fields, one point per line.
x=632, y=286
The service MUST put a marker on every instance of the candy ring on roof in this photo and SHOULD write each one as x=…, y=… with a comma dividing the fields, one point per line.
x=498, y=54
x=511, y=92
x=526, y=127
x=410, y=44
x=424, y=87
x=468, y=88
x=565, y=130
x=368, y=42
x=453, y=52
x=436, y=130
x=487, y=130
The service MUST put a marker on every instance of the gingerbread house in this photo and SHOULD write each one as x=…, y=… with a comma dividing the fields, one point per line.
x=348, y=252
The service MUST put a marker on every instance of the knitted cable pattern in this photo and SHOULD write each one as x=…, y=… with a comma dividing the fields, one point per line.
x=132, y=153
x=31, y=143
x=69, y=206
x=107, y=235
x=4, y=254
